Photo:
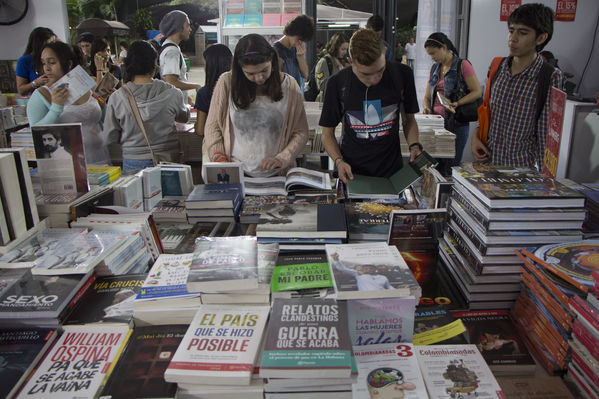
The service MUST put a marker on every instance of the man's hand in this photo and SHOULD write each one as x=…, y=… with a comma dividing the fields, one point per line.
x=270, y=163
x=414, y=152
x=300, y=48
x=344, y=170
x=480, y=152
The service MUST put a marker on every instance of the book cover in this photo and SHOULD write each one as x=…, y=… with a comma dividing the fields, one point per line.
x=271, y=19
x=78, y=81
x=12, y=210
x=30, y=251
x=307, y=338
x=167, y=278
x=214, y=196
x=39, y=296
x=381, y=321
x=453, y=370
x=415, y=233
x=370, y=220
x=234, y=21
x=577, y=259
x=510, y=187
x=267, y=260
x=295, y=180
x=535, y=387
x=60, y=158
x=223, y=264
x=220, y=346
x=301, y=271
x=436, y=317
x=252, y=20
x=494, y=334
x=140, y=371
x=252, y=205
x=374, y=270
x=176, y=179
x=187, y=243
x=79, y=363
x=20, y=350
x=108, y=300
x=25, y=186
x=79, y=255
x=302, y=221
x=388, y=371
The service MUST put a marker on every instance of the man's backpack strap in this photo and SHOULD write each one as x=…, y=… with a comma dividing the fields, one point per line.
x=163, y=47
x=329, y=63
x=543, y=87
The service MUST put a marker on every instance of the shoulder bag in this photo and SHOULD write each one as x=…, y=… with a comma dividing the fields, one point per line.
x=138, y=119
x=466, y=112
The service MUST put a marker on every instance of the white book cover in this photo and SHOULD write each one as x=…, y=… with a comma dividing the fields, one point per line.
x=152, y=184
x=77, y=81
x=388, y=371
x=456, y=370
x=167, y=278
x=79, y=363
x=370, y=270
x=11, y=197
x=220, y=346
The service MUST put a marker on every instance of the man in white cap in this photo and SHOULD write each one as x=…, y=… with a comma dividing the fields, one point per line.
x=175, y=27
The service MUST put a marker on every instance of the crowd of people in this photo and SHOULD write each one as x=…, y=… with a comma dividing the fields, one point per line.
x=251, y=108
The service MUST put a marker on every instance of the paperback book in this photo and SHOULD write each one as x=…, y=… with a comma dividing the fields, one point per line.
x=370, y=220
x=215, y=196
x=302, y=271
x=374, y=270
x=454, y=370
x=307, y=338
x=577, y=259
x=108, y=300
x=381, y=321
x=140, y=371
x=166, y=280
x=20, y=351
x=220, y=346
x=435, y=318
x=302, y=221
x=223, y=264
x=79, y=363
x=388, y=371
x=494, y=334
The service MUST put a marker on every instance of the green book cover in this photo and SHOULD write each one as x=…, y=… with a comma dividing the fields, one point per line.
x=301, y=272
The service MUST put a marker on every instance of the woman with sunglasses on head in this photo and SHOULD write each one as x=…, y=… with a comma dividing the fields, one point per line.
x=257, y=114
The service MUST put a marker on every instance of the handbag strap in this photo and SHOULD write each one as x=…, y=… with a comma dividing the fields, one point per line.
x=138, y=119
x=492, y=71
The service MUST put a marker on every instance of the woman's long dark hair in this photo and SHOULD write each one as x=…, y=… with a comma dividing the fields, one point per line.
x=438, y=39
x=253, y=49
x=65, y=55
x=218, y=61
x=99, y=45
x=37, y=40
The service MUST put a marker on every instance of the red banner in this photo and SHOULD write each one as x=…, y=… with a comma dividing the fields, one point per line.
x=507, y=6
x=554, y=132
x=565, y=10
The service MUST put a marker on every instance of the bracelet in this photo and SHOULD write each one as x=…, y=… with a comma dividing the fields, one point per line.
x=33, y=84
x=336, y=159
x=415, y=144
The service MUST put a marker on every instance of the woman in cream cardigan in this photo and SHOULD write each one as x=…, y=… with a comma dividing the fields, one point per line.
x=256, y=114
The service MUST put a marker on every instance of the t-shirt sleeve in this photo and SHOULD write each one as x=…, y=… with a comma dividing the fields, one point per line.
x=202, y=100
x=467, y=69
x=410, y=99
x=25, y=68
x=169, y=61
x=332, y=111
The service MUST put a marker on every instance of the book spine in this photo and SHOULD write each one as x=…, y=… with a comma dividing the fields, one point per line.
x=554, y=308
x=476, y=241
x=584, y=310
x=466, y=253
x=584, y=367
x=555, y=271
x=585, y=338
x=474, y=212
x=543, y=280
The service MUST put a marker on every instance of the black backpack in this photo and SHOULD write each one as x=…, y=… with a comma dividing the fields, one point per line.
x=312, y=92
x=162, y=48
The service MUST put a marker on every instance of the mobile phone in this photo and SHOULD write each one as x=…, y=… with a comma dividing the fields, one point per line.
x=63, y=85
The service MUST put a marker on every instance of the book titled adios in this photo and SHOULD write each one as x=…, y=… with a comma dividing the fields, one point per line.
x=220, y=346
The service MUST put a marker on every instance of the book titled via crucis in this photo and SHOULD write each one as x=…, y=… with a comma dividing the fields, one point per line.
x=79, y=363
x=220, y=346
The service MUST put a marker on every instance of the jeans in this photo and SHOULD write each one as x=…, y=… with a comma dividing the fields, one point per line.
x=131, y=166
x=461, y=132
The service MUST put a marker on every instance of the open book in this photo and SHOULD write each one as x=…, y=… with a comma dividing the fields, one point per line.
x=296, y=179
x=446, y=102
x=370, y=187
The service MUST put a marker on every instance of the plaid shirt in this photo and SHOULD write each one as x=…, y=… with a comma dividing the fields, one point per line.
x=515, y=137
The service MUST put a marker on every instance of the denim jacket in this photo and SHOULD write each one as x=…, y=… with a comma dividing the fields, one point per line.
x=450, y=80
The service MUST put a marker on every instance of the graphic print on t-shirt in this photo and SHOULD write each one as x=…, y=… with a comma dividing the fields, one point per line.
x=374, y=121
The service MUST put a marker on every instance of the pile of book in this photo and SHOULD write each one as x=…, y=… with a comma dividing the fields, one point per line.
x=495, y=210
x=176, y=179
x=151, y=180
x=170, y=210
x=22, y=138
x=214, y=203
x=113, y=172
x=301, y=227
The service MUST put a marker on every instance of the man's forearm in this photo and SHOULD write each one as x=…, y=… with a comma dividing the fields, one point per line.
x=411, y=130
x=179, y=84
x=330, y=143
x=303, y=66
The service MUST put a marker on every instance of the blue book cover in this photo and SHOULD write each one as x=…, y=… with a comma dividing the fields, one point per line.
x=171, y=183
x=213, y=196
x=167, y=278
x=252, y=20
x=234, y=21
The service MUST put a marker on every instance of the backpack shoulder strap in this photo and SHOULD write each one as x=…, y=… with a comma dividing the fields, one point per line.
x=329, y=63
x=543, y=87
x=492, y=72
x=164, y=47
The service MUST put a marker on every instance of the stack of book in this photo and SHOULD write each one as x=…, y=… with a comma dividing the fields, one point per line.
x=170, y=210
x=302, y=226
x=583, y=370
x=253, y=204
x=152, y=187
x=225, y=270
x=214, y=203
x=495, y=210
x=301, y=274
x=98, y=179
x=176, y=179
x=542, y=312
x=128, y=192
x=129, y=256
x=307, y=350
x=217, y=355
x=114, y=172
x=444, y=143
x=22, y=138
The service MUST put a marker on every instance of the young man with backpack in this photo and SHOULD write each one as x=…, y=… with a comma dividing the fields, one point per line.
x=520, y=93
x=368, y=97
x=175, y=27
